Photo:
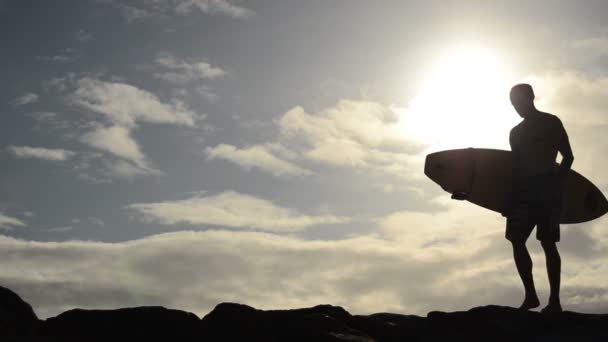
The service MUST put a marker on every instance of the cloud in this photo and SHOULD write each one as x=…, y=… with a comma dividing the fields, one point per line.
x=363, y=123
x=198, y=270
x=257, y=156
x=124, y=169
x=66, y=55
x=40, y=153
x=132, y=13
x=231, y=209
x=83, y=36
x=181, y=71
x=56, y=58
x=8, y=222
x=206, y=92
x=457, y=228
x=88, y=220
x=50, y=121
x=117, y=141
x=143, y=9
x=26, y=99
x=125, y=105
x=359, y=134
x=355, y=134
x=212, y=6
x=63, y=229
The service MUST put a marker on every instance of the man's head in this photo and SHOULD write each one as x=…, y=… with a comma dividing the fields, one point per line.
x=522, y=99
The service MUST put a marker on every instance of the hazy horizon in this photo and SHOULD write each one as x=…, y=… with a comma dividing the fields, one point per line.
x=190, y=152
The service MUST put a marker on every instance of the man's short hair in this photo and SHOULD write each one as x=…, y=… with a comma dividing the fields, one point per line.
x=522, y=90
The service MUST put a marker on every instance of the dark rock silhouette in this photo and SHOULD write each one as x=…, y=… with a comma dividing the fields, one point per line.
x=17, y=318
x=238, y=322
x=136, y=324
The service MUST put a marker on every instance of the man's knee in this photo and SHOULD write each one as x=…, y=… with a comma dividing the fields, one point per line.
x=550, y=247
x=518, y=244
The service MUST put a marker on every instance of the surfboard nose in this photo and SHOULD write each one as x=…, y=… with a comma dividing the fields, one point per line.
x=430, y=163
x=452, y=170
x=436, y=165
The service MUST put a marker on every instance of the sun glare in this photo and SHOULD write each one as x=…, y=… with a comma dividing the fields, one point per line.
x=462, y=102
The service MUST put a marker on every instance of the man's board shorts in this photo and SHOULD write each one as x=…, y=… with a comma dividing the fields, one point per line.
x=535, y=201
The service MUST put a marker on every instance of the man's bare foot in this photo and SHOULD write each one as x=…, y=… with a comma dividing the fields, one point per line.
x=529, y=303
x=552, y=308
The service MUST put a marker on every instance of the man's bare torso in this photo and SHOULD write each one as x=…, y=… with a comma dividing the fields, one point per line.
x=535, y=143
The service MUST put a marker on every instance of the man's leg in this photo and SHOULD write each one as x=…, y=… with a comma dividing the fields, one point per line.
x=554, y=266
x=523, y=262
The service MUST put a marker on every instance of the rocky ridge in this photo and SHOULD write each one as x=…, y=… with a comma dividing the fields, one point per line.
x=238, y=322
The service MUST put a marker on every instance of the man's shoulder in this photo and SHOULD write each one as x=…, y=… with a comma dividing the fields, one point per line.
x=516, y=129
x=552, y=118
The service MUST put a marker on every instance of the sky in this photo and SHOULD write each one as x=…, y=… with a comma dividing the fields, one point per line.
x=190, y=152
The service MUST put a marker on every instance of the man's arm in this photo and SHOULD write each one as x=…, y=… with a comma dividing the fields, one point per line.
x=563, y=146
x=516, y=163
x=515, y=160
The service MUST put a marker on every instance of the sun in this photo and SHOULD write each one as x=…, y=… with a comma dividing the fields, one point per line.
x=462, y=102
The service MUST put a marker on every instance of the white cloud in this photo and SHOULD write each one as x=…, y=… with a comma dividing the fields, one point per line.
x=117, y=141
x=257, y=156
x=125, y=105
x=40, y=153
x=364, y=123
x=358, y=134
x=459, y=228
x=181, y=71
x=211, y=6
x=198, y=270
x=8, y=222
x=26, y=99
x=231, y=209
x=143, y=9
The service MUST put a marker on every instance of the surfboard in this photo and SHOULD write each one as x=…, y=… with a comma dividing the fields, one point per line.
x=483, y=177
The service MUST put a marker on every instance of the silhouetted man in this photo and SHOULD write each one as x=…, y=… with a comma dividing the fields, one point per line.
x=536, y=193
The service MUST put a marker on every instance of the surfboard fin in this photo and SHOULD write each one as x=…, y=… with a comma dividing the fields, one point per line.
x=460, y=195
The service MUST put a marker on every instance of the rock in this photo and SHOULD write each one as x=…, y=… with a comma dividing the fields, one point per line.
x=499, y=323
x=238, y=322
x=330, y=323
x=136, y=324
x=17, y=318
